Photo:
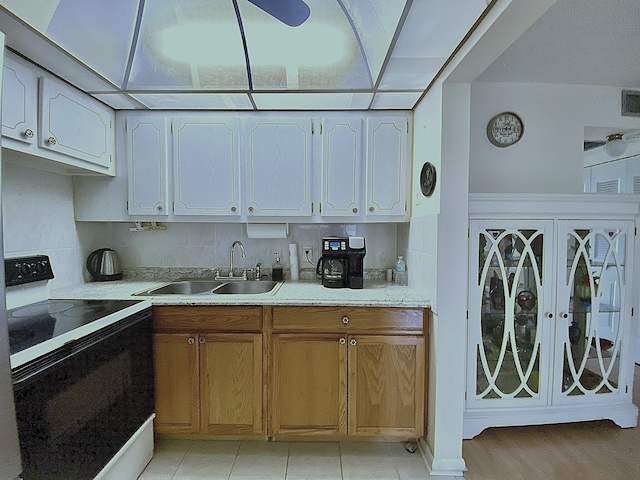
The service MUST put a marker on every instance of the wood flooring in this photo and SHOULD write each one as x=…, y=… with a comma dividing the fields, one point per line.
x=597, y=450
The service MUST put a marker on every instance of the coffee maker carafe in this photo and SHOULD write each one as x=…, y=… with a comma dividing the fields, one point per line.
x=341, y=263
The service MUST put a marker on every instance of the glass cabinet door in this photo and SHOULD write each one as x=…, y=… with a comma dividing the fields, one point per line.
x=509, y=314
x=591, y=294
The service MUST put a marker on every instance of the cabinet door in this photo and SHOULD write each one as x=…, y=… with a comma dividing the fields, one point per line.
x=74, y=124
x=341, y=167
x=511, y=315
x=19, y=95
x=387, y=145
x=176, y=383
x=386, y=386
x=592, y=362
x=309, y=385
x=231, y=384
x=278, y=167
x=147, y=162
x=206, y=166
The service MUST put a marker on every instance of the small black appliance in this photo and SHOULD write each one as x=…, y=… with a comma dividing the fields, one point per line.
x=341, y=263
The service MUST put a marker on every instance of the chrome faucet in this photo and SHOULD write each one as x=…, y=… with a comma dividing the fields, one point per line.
x=244, y=255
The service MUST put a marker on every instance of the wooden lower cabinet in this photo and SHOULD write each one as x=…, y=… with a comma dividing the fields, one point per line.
x=309, y=385
x=350, y=383
x=208, y=383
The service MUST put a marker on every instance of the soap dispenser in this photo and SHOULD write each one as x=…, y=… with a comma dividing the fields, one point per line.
x=277, y=270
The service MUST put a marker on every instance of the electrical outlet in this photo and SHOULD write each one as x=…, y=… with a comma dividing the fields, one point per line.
x=307, y=254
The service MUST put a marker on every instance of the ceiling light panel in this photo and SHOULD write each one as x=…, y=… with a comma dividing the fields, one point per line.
x=322, y=53
x=312, y=101
x=375, y=22
x=96, y=32
x=194, y=101
x=187, y=44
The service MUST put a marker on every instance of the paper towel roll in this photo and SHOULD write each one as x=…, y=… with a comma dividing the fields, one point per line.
x=293, y=261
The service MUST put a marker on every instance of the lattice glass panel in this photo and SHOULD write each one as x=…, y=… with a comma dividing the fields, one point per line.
x=596, y=278
x=510, y=276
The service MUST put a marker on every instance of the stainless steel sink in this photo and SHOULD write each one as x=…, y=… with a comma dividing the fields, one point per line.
x=184, y=287
x=220, y=287
x=246, y=287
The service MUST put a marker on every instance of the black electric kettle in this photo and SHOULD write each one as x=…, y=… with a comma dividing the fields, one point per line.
x=104, y=265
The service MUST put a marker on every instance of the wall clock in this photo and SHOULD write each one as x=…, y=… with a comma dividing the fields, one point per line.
x=428, y=179
x=505, y=129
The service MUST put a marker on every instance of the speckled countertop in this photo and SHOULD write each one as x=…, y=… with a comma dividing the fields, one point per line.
x=374, y=293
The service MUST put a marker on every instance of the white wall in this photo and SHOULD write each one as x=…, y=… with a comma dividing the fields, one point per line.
x=37, y=209
x=549, y=158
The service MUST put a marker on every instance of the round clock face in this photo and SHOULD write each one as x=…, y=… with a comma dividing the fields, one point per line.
x=428, y=179
x=505, y=129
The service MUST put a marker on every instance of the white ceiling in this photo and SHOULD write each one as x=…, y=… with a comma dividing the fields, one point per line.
x=587, y=42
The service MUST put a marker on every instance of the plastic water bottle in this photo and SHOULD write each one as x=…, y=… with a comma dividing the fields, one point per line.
x=401, y=271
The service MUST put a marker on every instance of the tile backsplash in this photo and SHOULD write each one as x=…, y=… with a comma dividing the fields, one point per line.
x=38, y=219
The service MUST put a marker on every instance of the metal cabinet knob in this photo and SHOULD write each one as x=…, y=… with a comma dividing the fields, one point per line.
x=191, y=341
x=549, y=315
x=250, y=209
x=353, y=342
x=28, y=133
x=343, y=341
x=345, y=320
x=159, y=208
x=371, y=209
x=202, y=340
x=233, y=209
x=355, y=210
x=52, y=140
x=564, y=315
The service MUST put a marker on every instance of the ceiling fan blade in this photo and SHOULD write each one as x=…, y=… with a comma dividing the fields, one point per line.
x=290, y=12
x=590, y=145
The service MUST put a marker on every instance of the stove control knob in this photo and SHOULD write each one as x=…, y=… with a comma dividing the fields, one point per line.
x=41, y=267
x=24, y=269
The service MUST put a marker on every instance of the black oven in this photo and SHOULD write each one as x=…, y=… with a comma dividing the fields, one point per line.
x=79, y=404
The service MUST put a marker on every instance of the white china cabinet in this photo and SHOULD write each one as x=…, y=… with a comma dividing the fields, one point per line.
x=552, y=310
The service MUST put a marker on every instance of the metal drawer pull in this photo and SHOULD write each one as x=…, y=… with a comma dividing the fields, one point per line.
x=345, y=320
x=202, y=340
x=353, y=342
x=343, y=341
x=191, y=341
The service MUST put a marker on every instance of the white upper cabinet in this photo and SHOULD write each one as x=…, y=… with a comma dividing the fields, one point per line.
x=341, y=185
x=278, y=167
x=74, y=124
x=206, y=162
x=19, y=97
x=387, y=146
x=146, y=138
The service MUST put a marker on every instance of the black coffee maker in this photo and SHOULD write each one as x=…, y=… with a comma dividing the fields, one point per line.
x=341, y=263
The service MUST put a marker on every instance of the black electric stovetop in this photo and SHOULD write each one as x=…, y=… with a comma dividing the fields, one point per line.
x=35, y=323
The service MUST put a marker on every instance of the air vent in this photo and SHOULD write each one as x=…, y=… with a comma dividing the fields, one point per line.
x=610, y=186
x=630, y=103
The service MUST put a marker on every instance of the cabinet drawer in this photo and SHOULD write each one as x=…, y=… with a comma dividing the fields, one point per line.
x=202, y=319
x=347, y=319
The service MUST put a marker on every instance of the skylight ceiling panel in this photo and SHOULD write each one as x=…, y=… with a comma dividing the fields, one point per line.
x=187, y=44
x=323, y=53
x=395, y=100
x=312, y=101
x=96, y=32
x=195, y=101
x=376, y=22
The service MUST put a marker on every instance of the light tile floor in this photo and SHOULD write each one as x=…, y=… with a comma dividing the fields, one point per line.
x=230, y=460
